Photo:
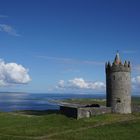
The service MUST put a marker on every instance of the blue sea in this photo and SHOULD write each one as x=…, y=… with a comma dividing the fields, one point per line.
x=36, y=101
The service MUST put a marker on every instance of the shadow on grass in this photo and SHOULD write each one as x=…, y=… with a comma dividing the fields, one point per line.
x=38, y=112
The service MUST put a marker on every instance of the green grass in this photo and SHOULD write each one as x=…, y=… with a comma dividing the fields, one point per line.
x=21, y=126
x=42, y=125
x=135, y=101
x=86, y=101
x=119, y=131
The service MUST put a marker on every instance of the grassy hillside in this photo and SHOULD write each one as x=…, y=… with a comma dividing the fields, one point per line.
x=45, y=125
x=27, y=126
x=119, y=131
x=135, y=101
x=86, y=101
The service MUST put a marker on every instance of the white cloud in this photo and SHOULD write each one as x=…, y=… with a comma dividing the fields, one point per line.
x=80, y=83
x=12, y=74
x=61, y=83
x=8, y=29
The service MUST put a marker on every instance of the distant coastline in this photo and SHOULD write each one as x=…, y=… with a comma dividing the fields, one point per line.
x=12, y=101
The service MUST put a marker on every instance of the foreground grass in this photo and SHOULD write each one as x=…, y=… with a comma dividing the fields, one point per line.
x=42, y=125
x=17, y=126
x=119, y=131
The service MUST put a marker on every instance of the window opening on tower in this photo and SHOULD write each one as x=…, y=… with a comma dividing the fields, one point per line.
x=118, y=100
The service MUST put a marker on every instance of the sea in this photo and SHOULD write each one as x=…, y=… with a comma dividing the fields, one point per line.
x=10, y=101
x=38, y=101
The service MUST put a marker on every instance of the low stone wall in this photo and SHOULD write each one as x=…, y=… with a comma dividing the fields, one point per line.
x=83, y=112
x=92, y=111
x=69, y=111
x=135, y=108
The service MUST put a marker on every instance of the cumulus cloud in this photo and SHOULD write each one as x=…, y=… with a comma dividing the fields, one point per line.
x=8, y=29
x=80, y=83
x=12, y=74
x=61, y=84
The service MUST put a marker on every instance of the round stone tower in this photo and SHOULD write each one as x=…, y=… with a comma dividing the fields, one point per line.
x=118, y=86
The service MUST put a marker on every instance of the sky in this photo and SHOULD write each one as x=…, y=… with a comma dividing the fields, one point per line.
x=61, y=46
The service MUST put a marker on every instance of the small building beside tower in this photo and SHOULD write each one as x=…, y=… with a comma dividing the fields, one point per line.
x=118, y=93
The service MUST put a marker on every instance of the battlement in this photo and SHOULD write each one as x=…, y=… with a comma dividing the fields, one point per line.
x=118, y=85
x=125, y=67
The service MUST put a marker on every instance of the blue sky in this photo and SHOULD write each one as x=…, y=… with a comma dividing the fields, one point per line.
x=58, y=44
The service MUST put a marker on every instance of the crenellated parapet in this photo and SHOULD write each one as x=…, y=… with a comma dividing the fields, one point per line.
x=118, y=85
x=113, y=67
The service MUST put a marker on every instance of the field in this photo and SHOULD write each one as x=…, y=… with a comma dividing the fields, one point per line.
x=50, y=125
x=135, y=101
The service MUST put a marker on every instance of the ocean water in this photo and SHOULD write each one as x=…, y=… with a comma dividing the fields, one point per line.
x=36, y=101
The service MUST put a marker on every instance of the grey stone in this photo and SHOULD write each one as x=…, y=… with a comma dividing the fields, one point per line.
x=118, y=93
x=83, y=112
x=118, y=86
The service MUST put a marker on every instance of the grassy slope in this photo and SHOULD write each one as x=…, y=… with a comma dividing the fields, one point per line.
x=42, y=126
x=118, y=131
x=56, y=126
x=86, y=101
x=135, y=100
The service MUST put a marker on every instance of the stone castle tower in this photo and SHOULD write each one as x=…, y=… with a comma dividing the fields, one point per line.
x=118, y=86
